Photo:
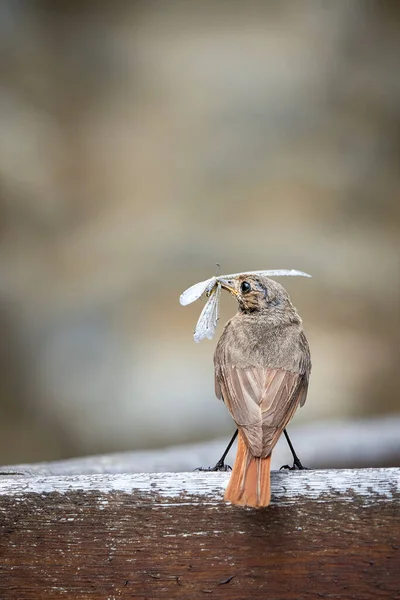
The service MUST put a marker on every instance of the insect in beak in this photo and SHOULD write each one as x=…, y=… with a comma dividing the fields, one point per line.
x=211, y=288
x=229, y=285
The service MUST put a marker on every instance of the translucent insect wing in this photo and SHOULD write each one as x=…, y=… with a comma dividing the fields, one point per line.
x=282, y=272
x=216, y=311
x=208, y=319
x=269, y=273
x=194, y=292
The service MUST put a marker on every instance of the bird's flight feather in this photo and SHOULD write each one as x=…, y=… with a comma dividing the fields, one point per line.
x=261, y=401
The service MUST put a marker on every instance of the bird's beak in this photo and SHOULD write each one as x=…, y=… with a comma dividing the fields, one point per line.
x=228, y=284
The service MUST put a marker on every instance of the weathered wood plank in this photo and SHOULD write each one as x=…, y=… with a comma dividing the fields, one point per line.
x=332, y=534
x=368, y=485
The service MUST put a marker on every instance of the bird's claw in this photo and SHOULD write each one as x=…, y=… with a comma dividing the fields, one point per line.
x=220, y=466
x=296, y=467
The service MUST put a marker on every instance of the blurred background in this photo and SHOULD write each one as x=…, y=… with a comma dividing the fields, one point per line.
x=143, y=142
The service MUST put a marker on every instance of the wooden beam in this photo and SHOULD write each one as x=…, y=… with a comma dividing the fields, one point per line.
x=326, y=534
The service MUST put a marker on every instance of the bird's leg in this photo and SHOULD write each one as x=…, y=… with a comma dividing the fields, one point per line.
x=221, y=466
x=296, y=461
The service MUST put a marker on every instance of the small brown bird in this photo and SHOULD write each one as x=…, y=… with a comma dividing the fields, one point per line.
x=262, y=367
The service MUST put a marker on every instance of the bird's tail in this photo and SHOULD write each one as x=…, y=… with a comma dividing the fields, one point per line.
x=249, y=483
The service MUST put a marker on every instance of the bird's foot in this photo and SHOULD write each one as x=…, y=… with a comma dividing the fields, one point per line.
x=297, y=466
x=220, y=466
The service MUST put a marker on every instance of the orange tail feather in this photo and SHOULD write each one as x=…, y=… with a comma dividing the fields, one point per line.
x=249, y=484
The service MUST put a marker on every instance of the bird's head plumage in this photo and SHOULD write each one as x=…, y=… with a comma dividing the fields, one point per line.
x=256, y=293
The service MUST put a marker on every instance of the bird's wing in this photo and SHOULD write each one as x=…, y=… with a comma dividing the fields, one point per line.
x=261, y=401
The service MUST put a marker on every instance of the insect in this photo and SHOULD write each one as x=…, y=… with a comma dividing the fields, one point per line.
x=207, y=323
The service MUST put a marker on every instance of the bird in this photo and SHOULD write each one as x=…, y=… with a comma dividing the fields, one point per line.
x=262, y=368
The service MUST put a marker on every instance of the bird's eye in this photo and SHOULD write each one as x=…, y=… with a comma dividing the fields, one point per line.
x=245, y=287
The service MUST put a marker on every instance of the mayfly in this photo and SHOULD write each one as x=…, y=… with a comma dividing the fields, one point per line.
x=207, y=323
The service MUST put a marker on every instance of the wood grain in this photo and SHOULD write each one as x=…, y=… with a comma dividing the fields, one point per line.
x=326, y=534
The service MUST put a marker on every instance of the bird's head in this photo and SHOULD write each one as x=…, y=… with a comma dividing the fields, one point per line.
x=256, y=293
